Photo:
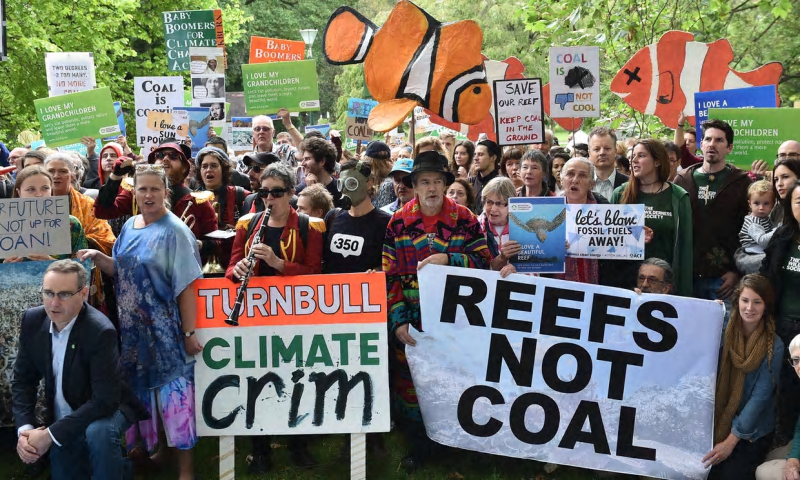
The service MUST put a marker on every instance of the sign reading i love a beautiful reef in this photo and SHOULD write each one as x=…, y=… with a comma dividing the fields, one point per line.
x=309, y=356
x=268, y=87
x=68, y=118
x=191, y=28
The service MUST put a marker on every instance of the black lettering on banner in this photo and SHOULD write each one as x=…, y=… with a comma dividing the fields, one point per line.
x=297, y=394
x=601, y=317
x=669, y=335
x=211, y=392
x=619, y=369
x=596, y=435
x=466, y=405
x=254, y=388
x=549, y=426
x=521, y=368
x=324, y=382
x=503, y=303
x=583, y=373
x=551, y=310
x=625, y=446
x=453, y=298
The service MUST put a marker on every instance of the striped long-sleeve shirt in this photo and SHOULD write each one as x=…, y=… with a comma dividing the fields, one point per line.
x=754, y=233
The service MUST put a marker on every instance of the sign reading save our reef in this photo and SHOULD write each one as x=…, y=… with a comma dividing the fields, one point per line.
x=268, y=87
x=518, y=111
x=191, y=28
x=566, y=372
x=68, y=118
x=34, y=226
x=309, y=356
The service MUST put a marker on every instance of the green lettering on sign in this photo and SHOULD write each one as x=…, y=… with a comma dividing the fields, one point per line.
x=366, y=348
x=281, y=352
x=239, y=361
x=319, y=352
x=209, y=346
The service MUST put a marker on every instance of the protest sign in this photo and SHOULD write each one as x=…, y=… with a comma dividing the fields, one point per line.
x=3, y=36
x=518, y=111
x=242, y=134
x=565, y=372
x=161, y=94
x=265, y=50
x=69, y=72
x=236, y=101
x=34, y=226
x=575, y=81
x=68, y=118
x=753, y=97
x=163, y=125
x=758, y=132
x=191, y=28
x=268, y=87
x=297, y=338
x=208, y=80
x=358, y=130
x=324, y=129
x=359, y=107
x=538, y=224
x=606, y=231
x=120, y=121
x=199, y=126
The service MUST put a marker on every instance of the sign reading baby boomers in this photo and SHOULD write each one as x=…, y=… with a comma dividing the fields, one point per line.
x=566, y=372
x=309, y=356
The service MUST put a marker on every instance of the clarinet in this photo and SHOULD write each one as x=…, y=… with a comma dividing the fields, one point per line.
x=233, y=318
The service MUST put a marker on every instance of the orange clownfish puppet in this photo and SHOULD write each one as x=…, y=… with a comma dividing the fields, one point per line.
x=413, y=59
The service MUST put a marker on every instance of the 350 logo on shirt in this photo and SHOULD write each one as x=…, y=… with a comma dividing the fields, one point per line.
x=347, y=245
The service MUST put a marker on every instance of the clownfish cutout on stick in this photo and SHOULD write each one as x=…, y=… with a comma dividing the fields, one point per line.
x=411, y=60
x=661, y=79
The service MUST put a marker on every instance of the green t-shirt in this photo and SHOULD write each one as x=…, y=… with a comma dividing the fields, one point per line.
x=790, y=278
x=658, y=215
x=708, y=184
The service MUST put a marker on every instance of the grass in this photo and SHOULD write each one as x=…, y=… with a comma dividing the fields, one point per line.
x=454, y=465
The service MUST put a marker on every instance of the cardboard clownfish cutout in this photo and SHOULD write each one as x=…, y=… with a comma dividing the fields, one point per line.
x=661, y=79
x=413, y=59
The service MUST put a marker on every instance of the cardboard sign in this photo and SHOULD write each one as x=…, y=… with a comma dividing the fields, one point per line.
x=68, y=118
x=154, y=93
x=606, y=231
x=753, y=97
x=309, y=356
x=174, y=124
x=268, y=87
x=358, y=130
x=566, y=372
x=360, y=108
x=69, y=72
x=575, y=82
x=758, y=132
x=518, y=107
x=265, y=50
x=191, y=28
x=34, y=226
x=539, y=225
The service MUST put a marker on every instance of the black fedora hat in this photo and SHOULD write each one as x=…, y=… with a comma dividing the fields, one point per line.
x=431, y=161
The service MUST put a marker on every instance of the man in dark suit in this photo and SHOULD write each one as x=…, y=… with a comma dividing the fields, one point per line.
x=88, y=406
x=603, y=154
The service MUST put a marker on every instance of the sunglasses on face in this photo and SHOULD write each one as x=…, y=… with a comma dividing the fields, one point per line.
x=256, y=168
x=275, y=192
x=162, y=154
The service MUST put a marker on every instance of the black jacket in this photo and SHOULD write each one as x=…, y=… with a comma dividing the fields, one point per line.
x=92, y=385
x=776, y=253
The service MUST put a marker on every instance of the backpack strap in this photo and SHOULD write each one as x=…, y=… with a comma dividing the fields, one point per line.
x=304, y=228
x=330, y=217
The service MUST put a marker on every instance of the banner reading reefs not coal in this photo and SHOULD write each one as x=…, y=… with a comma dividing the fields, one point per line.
x=566, y=372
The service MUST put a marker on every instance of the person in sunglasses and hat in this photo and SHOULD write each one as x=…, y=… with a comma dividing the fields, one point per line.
x=195, y=210
x=256, y=163
x=430, y=229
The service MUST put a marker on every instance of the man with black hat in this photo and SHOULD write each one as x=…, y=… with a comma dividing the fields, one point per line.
x=430, y=229
x=256, y=163
x=487, y=163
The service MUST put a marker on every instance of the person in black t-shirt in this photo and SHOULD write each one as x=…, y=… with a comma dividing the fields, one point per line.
x=354, y=242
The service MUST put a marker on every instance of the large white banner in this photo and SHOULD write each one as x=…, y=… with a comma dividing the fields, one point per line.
x=160, y=94
x=567, y=373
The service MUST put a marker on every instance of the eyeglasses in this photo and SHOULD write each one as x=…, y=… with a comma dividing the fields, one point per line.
x=794, y=361
x=48, y=295
x=788, y=156
x=262, y=129
x=143, y=167
x=651, y=280
x=172, y=155
x=275, y=192
x=492, y=204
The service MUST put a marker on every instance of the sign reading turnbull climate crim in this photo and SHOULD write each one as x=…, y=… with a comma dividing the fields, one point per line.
x=309, y=356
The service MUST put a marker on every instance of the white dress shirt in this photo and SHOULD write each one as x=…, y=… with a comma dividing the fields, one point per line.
x=605, y=187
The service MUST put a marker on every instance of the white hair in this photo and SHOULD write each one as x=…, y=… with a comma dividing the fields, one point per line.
x=795, y=344
x=66, y=157
x=584, y=160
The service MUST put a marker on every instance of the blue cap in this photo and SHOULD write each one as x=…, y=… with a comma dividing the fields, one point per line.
x=403, y=165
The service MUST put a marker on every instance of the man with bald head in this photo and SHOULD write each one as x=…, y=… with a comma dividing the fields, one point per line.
x=15, y=158
x=789, y=149
x=545, y=146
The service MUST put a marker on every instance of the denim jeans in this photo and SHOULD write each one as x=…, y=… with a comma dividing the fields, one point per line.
x=98, y=451
x=706, y=289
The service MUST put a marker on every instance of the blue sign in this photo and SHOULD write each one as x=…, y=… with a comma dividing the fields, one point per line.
x=359, y=107
x=120, y=122
x=539, y=225
x=752, y=97
x=324, y=129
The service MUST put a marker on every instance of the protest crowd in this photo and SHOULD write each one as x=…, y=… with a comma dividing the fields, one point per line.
x=149, y=222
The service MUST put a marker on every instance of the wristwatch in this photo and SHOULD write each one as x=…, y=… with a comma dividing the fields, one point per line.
x=188, y=334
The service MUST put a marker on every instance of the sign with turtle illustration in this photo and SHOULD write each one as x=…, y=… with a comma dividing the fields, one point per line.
x=539, y=225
